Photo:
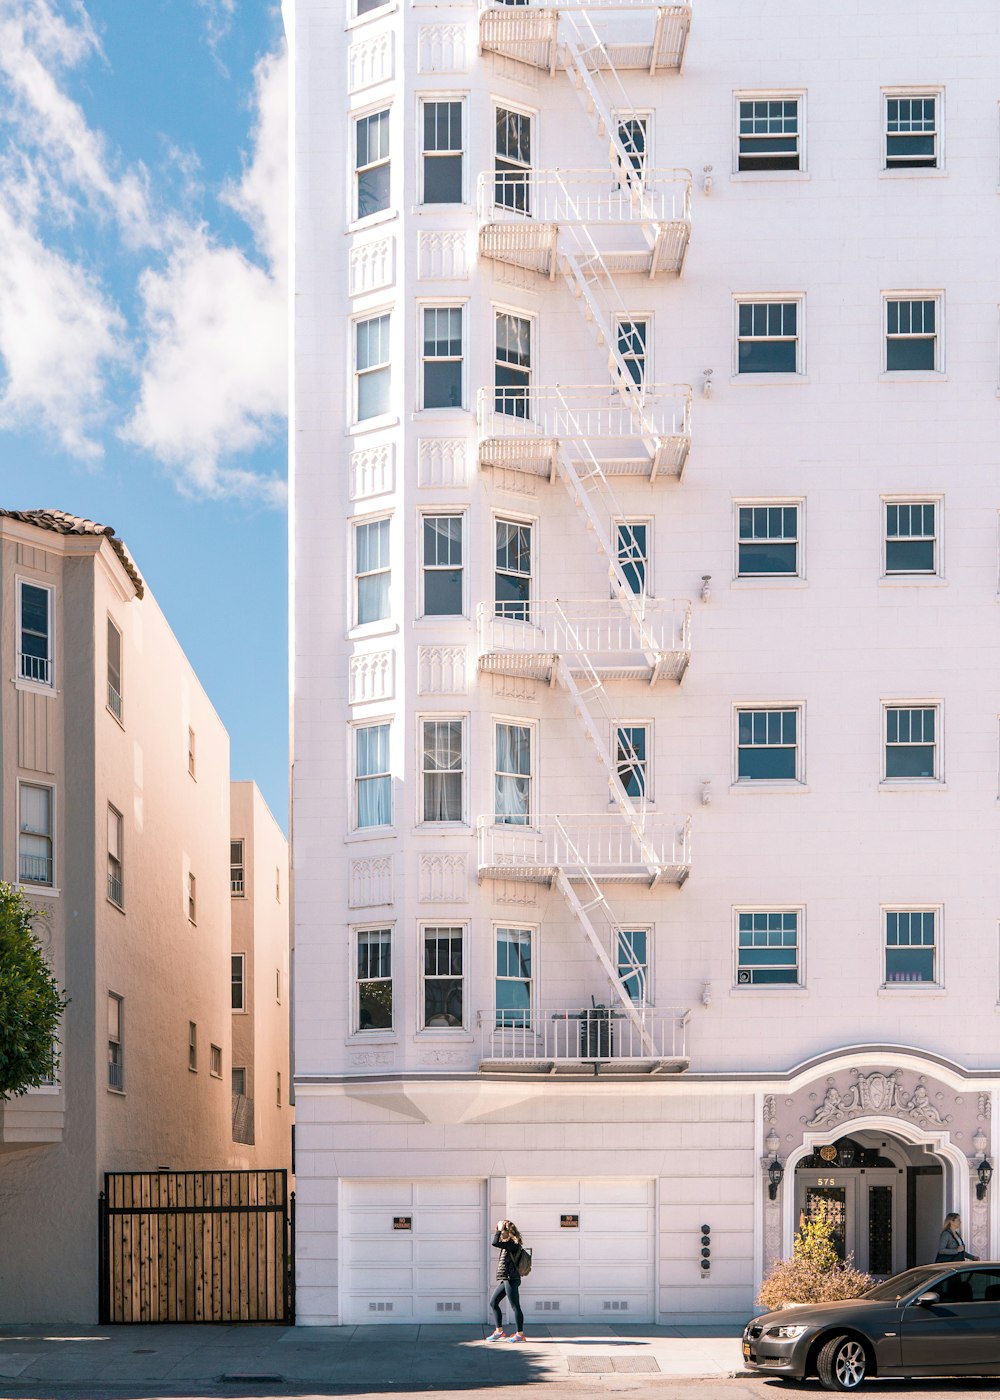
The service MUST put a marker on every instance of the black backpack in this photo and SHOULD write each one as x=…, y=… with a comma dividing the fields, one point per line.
x=524, y=1262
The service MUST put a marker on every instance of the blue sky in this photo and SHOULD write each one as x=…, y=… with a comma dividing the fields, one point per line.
x=143, y=363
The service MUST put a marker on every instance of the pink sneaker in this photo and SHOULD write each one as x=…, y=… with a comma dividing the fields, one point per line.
x=518, y=1337
x=496, y=1336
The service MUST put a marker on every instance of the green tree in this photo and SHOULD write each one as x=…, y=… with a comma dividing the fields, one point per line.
x=31, y=1004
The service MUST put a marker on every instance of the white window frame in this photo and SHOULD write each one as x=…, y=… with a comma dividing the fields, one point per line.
x=243, y=1008
x=648, y=999
x=376, y=624
x=531, y=525
x=115, y=703
x=783, y=706
x=517, y=313
x=920, y=704
x=902, y=171
x=240, y=866
x=449, y=717
x=647, y=116
x=118, y=1040
x=377, y=419
x=384, y=828
x=646, y=796
x=753, y=172
x=27, y=682
x=215, y=1061
x=923, y=295
x=443, y=304
x=533, y=1002
x=532, y=775
x=355, y=1028
x=374, y=11
x=461, y=514
x=914, y=499
x=119, y=859
x=423, y=154
x=50, y=887
x=462, y=929
x=750, y=986
x=798, y=503
x=647, y=521
x=376, y=109
x=192, y=754
x=903, y=908
x=646, y=318
x=517, y=109
x=771, y=299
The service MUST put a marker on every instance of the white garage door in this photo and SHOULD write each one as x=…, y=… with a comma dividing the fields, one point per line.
x=432, y=1271
x=603, y=1269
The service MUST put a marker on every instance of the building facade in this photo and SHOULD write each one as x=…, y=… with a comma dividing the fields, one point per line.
x=645, y=542
x=115, y=822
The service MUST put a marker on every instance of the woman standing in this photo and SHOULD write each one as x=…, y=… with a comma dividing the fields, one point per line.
x=951, y=1246
x=508, y=1240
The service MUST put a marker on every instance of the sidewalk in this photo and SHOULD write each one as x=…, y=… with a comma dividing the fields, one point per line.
x=369, y=1357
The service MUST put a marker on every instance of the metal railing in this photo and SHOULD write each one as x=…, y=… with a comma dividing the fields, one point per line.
x=502, y=6
x=656, y=195
x=36, y=668
x=606, y=847
x=34, y=870
x=581, y=412
x=236, y=882
x=116, y=1069
x=114, y=701
x=598, y=629
x=116, y=891
x=604, y=1034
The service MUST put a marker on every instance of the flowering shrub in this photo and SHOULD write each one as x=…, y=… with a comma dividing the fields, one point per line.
x=815, y=1273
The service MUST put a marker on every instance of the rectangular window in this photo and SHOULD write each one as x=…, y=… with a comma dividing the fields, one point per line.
x=767, y=542
x=767, y=947
x=767, y=337
x=237, y=871
x=192, y=1045
x=238, y=964
x=371, y=164
x=767, y=745
x=239, y=1081
x=513, y=980
x=442, y=153
x=633, y=133
x=513, y=160
x=371, y=366
x=191, y=757
x=911, y=132
x=443, y=566
x=631, y=758
x=116, y=1057
x=35, y=627
x=633, y=962
x=769, y=134
x=911, y=537
x=192, y=900
x=911, y=746
x=911, y=945
x=372, y=779
x=277, y=985
x=633, y=338
x=374, y=979
x=632, y=547
x=512, y=777
x=116, y=857
x=114, y=670
x=512, y=367
x=911, y=334
x=444, y=987
x=512, y=578
x=215, y=1061
x=35, y=864
x=371, y=571
x=277, y=885
x=277, y=1089
x=442, y=357
x=443, y=769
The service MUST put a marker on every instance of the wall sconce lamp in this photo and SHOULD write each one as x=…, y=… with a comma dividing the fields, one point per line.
x=985, y=1173
x=775, y=1175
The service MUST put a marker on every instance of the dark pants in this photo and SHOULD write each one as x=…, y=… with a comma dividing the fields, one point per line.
x=512, y=1287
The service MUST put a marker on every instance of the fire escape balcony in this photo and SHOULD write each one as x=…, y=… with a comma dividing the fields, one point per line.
x=592, y=636
x=648, y=436
x=588, y=848
x=647, y=35
x=640, y=224
x=588, y=1040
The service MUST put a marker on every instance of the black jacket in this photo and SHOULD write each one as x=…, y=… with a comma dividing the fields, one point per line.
x=510, y=1253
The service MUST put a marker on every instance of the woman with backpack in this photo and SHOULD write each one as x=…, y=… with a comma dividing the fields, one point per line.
x=512, y=1255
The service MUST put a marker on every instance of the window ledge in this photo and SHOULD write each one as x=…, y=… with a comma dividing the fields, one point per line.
x=451, y=1034
x=120, y=722
x=926, y=172
x=371, y=425
x=47, y=890
x=384, y=216
x=120, y=907
x=441, y=829
x=769, y=378
x=767, y=785
x=442, y=413
x=913, y=580
x=370, y=833
x=760, y=177
x=912, y=376
x=922, y=989
x=48, y=1089
x=462, y=207
x=746, y=581
x=427, y=620
x=385, y=627
x=241, y=1011
x=118, y=1093
x=370, y=1038
x=912, y=784
x=790, y=989
x=380, y=12
x=36, y=687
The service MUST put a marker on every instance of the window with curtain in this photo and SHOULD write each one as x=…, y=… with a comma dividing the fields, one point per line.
x=34, y=853
x=371, y=571
x=512, y=578
x=371, y=164
x=512, y=805
x=513, y=160
x=443, y=769
x=513, y=979
x=374, y=377
x=443, y=565
x=512, y=365
x=374, y=979
x=373, y=784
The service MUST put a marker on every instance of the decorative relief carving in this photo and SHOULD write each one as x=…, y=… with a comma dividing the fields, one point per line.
x=371, y=265
x=373, y=471
x=979, y=1231
x=373, y=677
x=772, y=1233
x=441, y=461
x=442, y=255
x=442, y=670
x=370, y=60
x=443, y=879
x=770, y=1109
x=514, y=892
x=373, y=1057
x=371, y=882
x=877, y=1093
x=985, y=1105
x=515, y=688
x=442, y=1057
x=443, y=48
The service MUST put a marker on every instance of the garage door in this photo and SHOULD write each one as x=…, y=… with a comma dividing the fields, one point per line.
x=598, y=1268
x=414, y=1251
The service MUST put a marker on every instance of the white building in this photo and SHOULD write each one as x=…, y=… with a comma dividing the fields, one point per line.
x=646, y=735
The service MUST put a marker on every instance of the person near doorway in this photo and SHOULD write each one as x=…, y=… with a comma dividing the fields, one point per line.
x=508, y=1240
x=951, y=1246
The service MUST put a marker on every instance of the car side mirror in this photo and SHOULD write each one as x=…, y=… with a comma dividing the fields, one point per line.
x=924, y=1300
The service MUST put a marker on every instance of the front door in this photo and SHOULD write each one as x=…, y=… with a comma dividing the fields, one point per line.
x=960, y=1335
x=840, y=1193
x=866, y=1205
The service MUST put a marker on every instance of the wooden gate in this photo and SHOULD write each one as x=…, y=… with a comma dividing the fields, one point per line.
x=196, y=1247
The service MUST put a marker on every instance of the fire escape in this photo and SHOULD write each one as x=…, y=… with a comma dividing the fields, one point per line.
x=588, y=228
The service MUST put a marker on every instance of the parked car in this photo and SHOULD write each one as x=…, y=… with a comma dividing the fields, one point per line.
x=935, y=1320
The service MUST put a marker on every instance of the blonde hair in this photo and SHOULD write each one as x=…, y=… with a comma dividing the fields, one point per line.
x=952, y=1218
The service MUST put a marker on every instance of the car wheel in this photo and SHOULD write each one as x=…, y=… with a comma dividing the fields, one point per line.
x=842, y=1364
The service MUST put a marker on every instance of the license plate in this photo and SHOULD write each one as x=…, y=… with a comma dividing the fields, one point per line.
x=746, y=1351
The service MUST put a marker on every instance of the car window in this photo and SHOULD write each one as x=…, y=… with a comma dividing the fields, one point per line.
x=895, y=1288
x=969, y=1286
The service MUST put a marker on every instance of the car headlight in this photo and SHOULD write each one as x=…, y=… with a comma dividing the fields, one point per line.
x=787, y=1333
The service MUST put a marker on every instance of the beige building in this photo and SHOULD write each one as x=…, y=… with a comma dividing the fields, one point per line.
x=114, y=819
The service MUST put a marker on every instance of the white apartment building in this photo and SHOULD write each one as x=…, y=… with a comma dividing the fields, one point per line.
x=647, y=730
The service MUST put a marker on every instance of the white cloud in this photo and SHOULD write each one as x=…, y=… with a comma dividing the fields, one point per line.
x=218, y=20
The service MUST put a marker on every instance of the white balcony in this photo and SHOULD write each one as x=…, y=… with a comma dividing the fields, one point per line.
x=592, y=1040
x=635, y=226
x=635, y=33
x=647, y=436
x=584, y=847
x=656, y=646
